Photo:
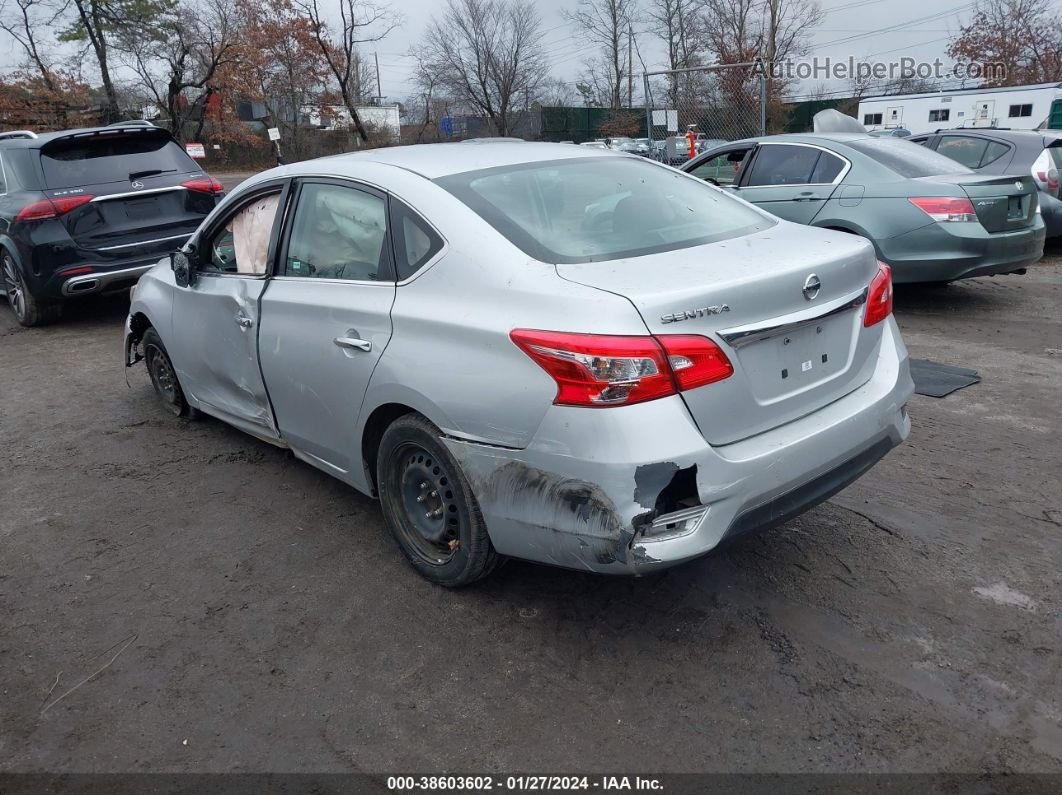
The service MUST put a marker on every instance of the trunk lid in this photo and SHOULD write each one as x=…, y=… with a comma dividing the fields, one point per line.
x=1002, y=204
x=135, y=180
x=791, y=354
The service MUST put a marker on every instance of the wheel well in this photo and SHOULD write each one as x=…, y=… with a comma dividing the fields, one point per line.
x=138, y=324
x=379, y=420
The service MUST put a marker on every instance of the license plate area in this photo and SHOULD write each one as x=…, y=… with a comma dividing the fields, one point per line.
x=1014, y=208
x=793, y=361
x=141, y=209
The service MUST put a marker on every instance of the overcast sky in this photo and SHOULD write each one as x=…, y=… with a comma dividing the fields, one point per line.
x=881, y=30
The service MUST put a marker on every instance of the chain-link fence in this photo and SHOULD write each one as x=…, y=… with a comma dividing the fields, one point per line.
x=718, y=103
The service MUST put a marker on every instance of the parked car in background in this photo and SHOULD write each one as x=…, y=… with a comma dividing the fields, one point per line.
x=644, y=146
x=85, y=212
x=622, y=144
x=929, y=218
x=895, y=132
x=642, y=365
x=594, y=144
x=1036, y=152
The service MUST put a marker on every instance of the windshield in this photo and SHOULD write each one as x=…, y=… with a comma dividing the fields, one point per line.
x=601, y=208
x=906, y=158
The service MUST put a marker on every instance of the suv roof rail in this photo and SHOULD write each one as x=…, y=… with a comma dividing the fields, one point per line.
x=132, y=123
x=17, y=134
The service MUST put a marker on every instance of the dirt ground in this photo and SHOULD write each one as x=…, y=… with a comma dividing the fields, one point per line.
x=178, y=596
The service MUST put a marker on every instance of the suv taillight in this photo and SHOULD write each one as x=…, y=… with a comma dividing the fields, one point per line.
x=203, y=185
x=598, y=371
x=879, y=300
x=51, y=208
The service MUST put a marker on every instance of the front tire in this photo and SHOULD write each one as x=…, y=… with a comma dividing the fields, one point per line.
x=27, y=309
x=164, y=376
x=429, y=507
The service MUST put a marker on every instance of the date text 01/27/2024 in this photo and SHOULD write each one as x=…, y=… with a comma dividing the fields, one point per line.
x=403, y=784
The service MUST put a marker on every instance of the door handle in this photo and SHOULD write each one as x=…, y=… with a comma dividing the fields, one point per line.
x=243, y=321
x=353, y=342
x=807, y=197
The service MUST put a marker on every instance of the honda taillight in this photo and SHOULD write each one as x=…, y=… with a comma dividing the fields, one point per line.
x=51, y=208
x=598, y=370
x=879, y=299
x=203, y=185
x=944, y=209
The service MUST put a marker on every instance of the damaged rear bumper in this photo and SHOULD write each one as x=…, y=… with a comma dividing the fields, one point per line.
x=636, y=489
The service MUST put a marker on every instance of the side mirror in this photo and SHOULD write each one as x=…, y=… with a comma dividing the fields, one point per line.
x=183, y=269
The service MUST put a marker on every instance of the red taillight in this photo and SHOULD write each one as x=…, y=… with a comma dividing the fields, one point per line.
x=879, y=300
x=944, y=208
x=51, y=208
x=695, y=361
x=598, y=371
x=203, y=185
x=1052, y=180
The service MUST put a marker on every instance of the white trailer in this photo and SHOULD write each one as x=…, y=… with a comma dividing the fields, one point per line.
x=1016, y=108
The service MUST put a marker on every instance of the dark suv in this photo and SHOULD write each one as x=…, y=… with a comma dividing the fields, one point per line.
x=85, y=212
x=991, y=151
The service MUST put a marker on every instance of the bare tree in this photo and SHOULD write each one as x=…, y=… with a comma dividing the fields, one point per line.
x=361, y=22
x=99, y=22
x=486, y=54
x=606, y=24
x=177, y=59
x=1024, y=36
x=554, y=93
x=739, y=31
x=679, y=24
x=23, y=21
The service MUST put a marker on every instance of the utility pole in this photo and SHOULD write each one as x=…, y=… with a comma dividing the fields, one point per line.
x=379, y=92
x=630, y=65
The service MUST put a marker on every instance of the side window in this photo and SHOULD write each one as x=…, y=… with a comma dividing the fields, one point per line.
x=827, y=169
x=994, y=151
x=3, y=177
x=338, y=232
x=781, y=164
x=242, y=245
x=415, y=241
x=963, y=149
x=722, y=169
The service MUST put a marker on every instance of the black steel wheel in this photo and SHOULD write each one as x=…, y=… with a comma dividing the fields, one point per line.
x=429, y=506
x=163, y=375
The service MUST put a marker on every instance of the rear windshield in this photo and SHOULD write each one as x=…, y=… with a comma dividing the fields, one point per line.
x=907, y=159
x=120, y=157
x=601, y=208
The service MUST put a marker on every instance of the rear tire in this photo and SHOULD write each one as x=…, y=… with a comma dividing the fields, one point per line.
x=164, y=376
x=429, y=507
x=27, y=309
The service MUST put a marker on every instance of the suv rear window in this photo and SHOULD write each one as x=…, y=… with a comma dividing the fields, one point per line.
x=907, y=159
x=601, y=208
x=96, y=159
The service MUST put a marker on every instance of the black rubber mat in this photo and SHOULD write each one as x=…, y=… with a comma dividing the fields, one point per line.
x=934, y=379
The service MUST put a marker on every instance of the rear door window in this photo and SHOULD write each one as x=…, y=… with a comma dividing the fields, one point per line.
x=783, y=164
x=963, y=149
x=112, y=157
x=993, y=152
x=414, y=240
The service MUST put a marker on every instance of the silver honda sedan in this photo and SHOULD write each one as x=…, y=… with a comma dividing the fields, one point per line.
x=576, y=357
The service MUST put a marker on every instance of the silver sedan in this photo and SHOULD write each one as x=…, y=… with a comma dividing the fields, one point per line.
x=569, y=356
